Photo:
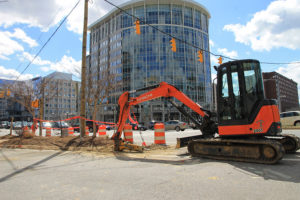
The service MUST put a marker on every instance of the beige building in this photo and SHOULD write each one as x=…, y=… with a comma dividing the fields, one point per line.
x=61, y=96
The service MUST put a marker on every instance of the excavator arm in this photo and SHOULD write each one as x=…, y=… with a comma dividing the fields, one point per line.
x=161, y=90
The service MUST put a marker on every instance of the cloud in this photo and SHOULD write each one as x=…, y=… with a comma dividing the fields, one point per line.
x=12, y=74
x=211, y=43
x=277, y=26
x=291, y=71
x=48, y=13
x=225, y=52
x=67, y=64
x=8, y=46
x=214, y=60
x=20, y=34
x=37, y=60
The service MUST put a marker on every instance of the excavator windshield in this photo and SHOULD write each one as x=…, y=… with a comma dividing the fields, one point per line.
x=240, y=91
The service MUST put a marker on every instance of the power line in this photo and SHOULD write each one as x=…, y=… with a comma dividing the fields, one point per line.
x=48, y=39
x=189, y=44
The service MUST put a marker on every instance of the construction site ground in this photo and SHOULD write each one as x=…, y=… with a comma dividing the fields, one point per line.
x=100, y=145
x=89, y=169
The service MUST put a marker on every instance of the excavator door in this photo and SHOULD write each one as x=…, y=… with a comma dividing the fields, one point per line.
x=242, y=107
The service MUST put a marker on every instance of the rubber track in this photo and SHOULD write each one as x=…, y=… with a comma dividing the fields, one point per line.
x=284, y=138
x=231, y=143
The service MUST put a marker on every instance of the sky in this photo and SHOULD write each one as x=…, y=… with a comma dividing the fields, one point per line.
x=266, y=30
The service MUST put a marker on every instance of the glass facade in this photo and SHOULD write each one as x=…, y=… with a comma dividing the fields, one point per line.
x=146, y=59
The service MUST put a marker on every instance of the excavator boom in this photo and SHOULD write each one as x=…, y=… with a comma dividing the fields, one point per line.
x=162, y=90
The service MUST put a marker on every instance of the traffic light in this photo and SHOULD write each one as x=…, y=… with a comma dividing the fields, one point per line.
x=200, y=56
x=173, y=44
x=35, y=103
x=1, y=94
x=220, y=60
x=137, y=27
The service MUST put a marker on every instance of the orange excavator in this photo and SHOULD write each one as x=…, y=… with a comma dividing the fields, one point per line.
x=248, y=126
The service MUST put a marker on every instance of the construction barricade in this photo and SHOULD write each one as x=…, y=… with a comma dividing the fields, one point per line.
x=87, y=131
x=26, y=132
x=102, y=130
x=128, y=135
x=159, y=134
x=71, y=131
x=48, y=132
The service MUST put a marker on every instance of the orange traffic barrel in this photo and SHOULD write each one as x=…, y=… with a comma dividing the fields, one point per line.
x=25, y=131
x=159, y=133
x=128, y=135
x=87, y=132
x=48, y=132
x=71, y=130
x=102, y=130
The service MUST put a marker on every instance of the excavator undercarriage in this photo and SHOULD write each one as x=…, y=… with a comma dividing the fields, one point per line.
x=264, y=150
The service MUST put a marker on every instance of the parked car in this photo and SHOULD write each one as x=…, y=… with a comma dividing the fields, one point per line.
x=109, y=127
x=76, y=126
x=138, y=127
x=4, y=124
x=151, y=124
x=17, y=125
x=291, y=118
x=60, y=125
x=90, y=125
x=29, y=124
x=175, y=125
x=47, y=125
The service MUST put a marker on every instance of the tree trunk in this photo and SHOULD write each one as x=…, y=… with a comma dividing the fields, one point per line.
x=94, y=124
x=11, y=125
x=41, y=115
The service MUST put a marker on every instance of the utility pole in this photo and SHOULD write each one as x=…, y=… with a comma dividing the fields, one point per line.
x=83, y=72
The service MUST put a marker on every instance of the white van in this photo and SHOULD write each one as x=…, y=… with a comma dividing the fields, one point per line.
x=291, y=118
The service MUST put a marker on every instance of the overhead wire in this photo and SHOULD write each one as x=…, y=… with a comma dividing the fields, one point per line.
x=190, y=44
x=48, y=39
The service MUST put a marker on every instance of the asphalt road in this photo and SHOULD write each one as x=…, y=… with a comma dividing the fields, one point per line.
x=33, y=174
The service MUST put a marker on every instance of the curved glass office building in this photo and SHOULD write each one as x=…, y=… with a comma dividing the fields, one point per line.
x=147, y=59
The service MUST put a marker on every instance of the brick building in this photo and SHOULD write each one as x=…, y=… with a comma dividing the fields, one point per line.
x=283, y=89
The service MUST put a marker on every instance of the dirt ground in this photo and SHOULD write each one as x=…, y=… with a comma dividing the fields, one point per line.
x=70, y=143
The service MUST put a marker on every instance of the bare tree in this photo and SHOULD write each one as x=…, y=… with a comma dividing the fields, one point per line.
x=100, y=86
x=25, y=92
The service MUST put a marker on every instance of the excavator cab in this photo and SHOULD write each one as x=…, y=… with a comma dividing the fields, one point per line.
x=242, y=107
